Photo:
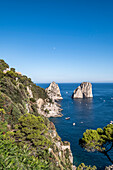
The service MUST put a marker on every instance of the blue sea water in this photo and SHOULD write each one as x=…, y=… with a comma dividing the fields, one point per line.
x=89, y=113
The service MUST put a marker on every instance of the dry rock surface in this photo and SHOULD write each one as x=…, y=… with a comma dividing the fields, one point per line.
x=63, y=148
x=83, y=91
x=109, y=168
x=53, y=92
x=49, y=107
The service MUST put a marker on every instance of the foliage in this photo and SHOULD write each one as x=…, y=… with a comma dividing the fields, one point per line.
x=24, y=145
x=15, y=157
x=12, y=69
x=98, y=140
x=31, y=130
x=14, y=95
x=32, y=100
x=24, y=80
x=11, y=74
x=82, y=166
x=3, y=127
x=2, y=113
x=1, y=74
x=11, y=90
x=47, y=111
x=38, y=92
x=3, y=65
x=34, y=109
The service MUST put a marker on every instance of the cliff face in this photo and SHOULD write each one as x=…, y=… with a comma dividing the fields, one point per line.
x=60, y=150
x=49, y=107
x=53, y=92
x=83, y=91
x=18, y=96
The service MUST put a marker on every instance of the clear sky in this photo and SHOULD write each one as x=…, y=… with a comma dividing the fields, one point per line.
x=58, y=40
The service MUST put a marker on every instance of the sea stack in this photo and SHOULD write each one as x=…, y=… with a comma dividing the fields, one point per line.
x=53, y=92
x=83, y=91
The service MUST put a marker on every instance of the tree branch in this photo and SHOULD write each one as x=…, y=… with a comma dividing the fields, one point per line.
x=110, y=148
x=105, y=153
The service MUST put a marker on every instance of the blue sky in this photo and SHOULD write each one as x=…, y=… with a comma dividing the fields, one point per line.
x=58, y=40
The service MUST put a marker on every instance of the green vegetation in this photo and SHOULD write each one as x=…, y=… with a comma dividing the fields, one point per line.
x=47, y=111
x=13, y=156
x=100, y=140
x=82, y=166
x=3, y=65
x=14, y=95
x=31, y=130
x=26, y=136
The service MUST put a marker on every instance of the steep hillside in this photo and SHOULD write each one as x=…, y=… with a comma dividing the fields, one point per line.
x=28, y=136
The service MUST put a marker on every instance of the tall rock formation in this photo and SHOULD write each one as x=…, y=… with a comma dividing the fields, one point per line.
x=53, y=92
x=49, y=107
x=83, y=91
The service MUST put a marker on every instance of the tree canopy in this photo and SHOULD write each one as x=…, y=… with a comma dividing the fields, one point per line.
x=100, y=140
x=31, y=130
x=3, y=65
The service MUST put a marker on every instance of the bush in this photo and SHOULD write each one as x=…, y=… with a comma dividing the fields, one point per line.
x=1, y=74
x=15, y=157
x=31, y=130
x=3, y=65
x=32, y=100
x=47, y=111
x=12, y=69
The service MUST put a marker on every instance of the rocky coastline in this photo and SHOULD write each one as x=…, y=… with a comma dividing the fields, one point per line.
x=22, y=98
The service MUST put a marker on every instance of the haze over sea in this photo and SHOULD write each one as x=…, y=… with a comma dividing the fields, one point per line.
x=88, y=113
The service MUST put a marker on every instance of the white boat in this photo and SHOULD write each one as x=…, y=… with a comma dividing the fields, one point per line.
x=111, y=122
x=67, y=118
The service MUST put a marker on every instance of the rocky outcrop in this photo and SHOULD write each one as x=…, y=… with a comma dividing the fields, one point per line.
x=60, y=150
x=40, y=103
x=30, y=92
x=109, y=167
x=49, y=109
x=83, y=91
x=53, y=92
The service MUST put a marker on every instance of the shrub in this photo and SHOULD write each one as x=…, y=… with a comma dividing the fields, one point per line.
x=32, y=100
x=3, y=65
x=15, y=157
x=31, y=130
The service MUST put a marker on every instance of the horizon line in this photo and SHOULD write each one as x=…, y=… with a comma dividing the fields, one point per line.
x=70, y=82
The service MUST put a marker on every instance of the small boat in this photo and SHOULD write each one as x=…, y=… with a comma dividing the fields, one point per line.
x=111, y=122
x=67, y=118
x=73, y=124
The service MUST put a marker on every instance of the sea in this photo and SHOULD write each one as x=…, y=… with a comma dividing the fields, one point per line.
x=87, y=113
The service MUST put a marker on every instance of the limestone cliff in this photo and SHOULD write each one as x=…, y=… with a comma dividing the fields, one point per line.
x=53, y=92
x=61, y=151
x=83, y=91
x=49, y=106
